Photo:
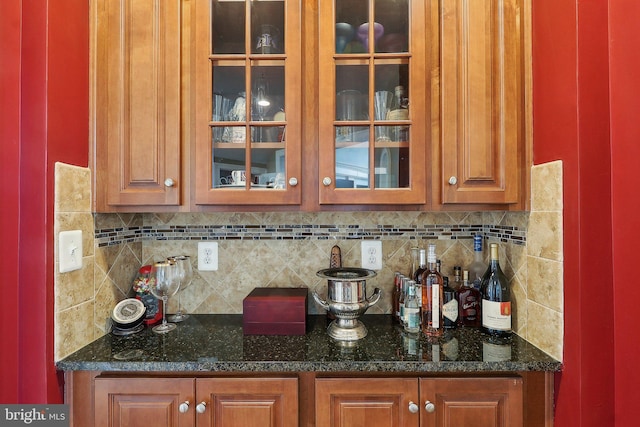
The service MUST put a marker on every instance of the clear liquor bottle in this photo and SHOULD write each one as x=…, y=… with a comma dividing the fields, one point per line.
x=432, y=283
x=478, y=267
x=496, y=298
x=411, y=309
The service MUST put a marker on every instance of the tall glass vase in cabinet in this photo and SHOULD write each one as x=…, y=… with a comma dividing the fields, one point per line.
x=374, y=101
x=247, y=98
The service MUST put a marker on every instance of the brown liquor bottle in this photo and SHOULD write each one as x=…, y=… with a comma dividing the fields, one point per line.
x=470, y=299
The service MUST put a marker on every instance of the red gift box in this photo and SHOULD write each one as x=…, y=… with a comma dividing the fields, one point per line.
x=275, y=311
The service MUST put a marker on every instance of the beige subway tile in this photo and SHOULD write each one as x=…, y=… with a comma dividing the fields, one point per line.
x=74, y=287
x=544, y=237
x=73, y=329
x=545, y=282
x=72, y=188
x=546, y=187
x=545, y=329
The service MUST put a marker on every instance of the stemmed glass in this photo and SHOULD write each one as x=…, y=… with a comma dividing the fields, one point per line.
x=184, y=274
x=163, y=285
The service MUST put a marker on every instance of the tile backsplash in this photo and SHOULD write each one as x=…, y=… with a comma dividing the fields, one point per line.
x=287, y=249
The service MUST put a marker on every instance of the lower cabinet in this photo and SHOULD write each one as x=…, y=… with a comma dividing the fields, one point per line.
x=187, y=402
x=405, y=402
x=309, y=399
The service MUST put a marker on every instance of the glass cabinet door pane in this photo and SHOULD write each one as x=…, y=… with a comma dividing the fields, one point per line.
x=229, y=104
x=392, y=32
x=229, y=171
x=267, y=93
x=350, y=15
x=352, y=92
x=227, y=27
x=267, y=27
x=268, y=168
x=352, y=162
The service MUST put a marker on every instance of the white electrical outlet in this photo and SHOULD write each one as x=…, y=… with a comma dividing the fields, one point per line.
x=208, y=256
x=70, y=250
x=371, y=254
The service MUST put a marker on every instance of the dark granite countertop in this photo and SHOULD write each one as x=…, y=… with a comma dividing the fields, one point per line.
x=216, y=343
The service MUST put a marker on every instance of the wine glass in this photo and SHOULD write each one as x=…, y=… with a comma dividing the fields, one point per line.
x=163, y=284
x=184, y=274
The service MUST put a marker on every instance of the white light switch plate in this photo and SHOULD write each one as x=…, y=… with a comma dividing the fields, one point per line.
x=70, y=250
x=371, y=254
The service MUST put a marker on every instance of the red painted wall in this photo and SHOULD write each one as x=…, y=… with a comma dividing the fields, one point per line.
x=44, y=119
x=9, y=192
x=625, y=156
x=47, y=51
x=571, y=122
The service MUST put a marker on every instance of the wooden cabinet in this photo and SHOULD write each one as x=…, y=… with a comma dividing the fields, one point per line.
x=255, y=402
x=247, y=96
x=482, y=93
x=131, y=402
x=110, y=399
x=480, y=402
x=229, y=105
x=403, y=402
x=374, y=402
x=137, y=103
x=184, y=402
x=373, y=112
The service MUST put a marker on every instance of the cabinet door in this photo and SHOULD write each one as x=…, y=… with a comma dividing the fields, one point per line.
x=478, y=402
x=140, y=402
x=371, y=402
x=481, y=101
x=137, y=70
x=373, y=110
x=254, y=402
x=247, y=94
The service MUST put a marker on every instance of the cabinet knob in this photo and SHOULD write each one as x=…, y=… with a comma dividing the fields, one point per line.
x=293, y=181
x=413, y=408
x=184, y=407
x=169, y=182
x=429, y=407
x=201, y=407
x=326, y=181
x=453, y=180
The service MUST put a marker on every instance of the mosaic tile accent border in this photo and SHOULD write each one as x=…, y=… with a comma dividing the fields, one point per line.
x=116, y=236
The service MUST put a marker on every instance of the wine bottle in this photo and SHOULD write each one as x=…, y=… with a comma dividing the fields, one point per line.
x=469, y=299
x=422, y=266
x=496, y=298
x=415, y=261
x=411, y=309
x=432, y=297
x=397, y=290
x=478, y=267
x=457, y=278
x=449, y=305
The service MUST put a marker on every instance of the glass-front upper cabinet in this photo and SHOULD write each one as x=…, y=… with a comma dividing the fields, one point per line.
x=247, y=95
x=375, y=94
